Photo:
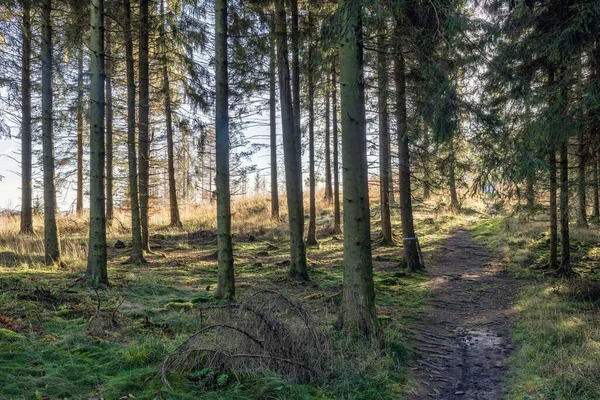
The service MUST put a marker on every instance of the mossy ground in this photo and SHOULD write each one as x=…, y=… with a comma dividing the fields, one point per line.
x=558, y=324
x=67, y=349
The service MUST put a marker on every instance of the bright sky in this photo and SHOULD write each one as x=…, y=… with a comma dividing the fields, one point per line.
x=10, y=186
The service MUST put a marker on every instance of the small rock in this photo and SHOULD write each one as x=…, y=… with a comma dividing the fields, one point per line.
x=459, y=392
x=262, y=254
x=119, y=245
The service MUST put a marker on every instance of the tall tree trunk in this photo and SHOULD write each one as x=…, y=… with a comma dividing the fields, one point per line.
x=273, y=124
x=109, y=127
x=426, y=182
x=311, y=238
x=291, y=151
x=553, y=260
x=582, y=156
x=596, y=210
x=337, y=223
x=358, y=294
x=51, y=236
x=226, y=285
x=295, y=40
x=595, y=126
x=79, y=201
x=581, y=181
x=26, y=187
x=143, y=115
x=173, y=206
x=384, y=137
x=409, y=239
x=96, y=271
x=328, y=187
x=454, y=204
x=565, y=263
x=137, y=254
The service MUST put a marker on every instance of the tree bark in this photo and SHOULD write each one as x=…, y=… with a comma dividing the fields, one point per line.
x=337, y=225
x=426, y=182
x=96, y=272
x=454, y=204
x=291, y=150
x=137, y=254
x=295, y=39
x=109, y=127
x=328, y=184
x=582, y=157
x=530, y=190
x=51, y=235
x=226, y=284
x=565, y=263
x=553, y=257
x=143, y=116
x=409, y=240
x=79, y=201
x=384, y=137
x=311, y=238
x=595, y=188
x=273, y=124
x=581, y=181
x=553, y=260
x=173, y=206
x=26, y=163
x=358, y=294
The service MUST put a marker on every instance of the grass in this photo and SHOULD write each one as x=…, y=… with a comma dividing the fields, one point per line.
x=68, y=349
x=558, y=328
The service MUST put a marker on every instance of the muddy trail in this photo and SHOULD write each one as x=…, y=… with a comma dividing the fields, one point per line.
x=463, y=341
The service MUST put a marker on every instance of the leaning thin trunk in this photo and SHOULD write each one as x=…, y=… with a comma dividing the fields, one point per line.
x=79, y=201
x=137, y=254
x=291, y=151
x=226, y=284
x=409, y=240
x=173, y=206
x=311, y=238
x=565, y=263
x=26, y=187
x=273, y=124
x=143, y=116
x=109, y=129
x=358, y=293
x=384, y=138
x=337, y=224
x=96, y=272
x=51, y=235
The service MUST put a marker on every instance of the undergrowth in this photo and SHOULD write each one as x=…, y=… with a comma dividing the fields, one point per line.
x=558, y=323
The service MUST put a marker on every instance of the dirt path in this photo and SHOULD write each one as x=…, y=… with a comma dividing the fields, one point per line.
x=463, y=341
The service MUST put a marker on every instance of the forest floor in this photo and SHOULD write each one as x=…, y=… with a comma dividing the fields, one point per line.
x=485, y=321
x=463, y=341
x=59, y=338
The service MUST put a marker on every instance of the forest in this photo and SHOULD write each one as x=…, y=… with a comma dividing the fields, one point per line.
x=269, y=199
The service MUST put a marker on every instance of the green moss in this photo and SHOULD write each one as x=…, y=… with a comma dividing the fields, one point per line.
x=8, y=335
